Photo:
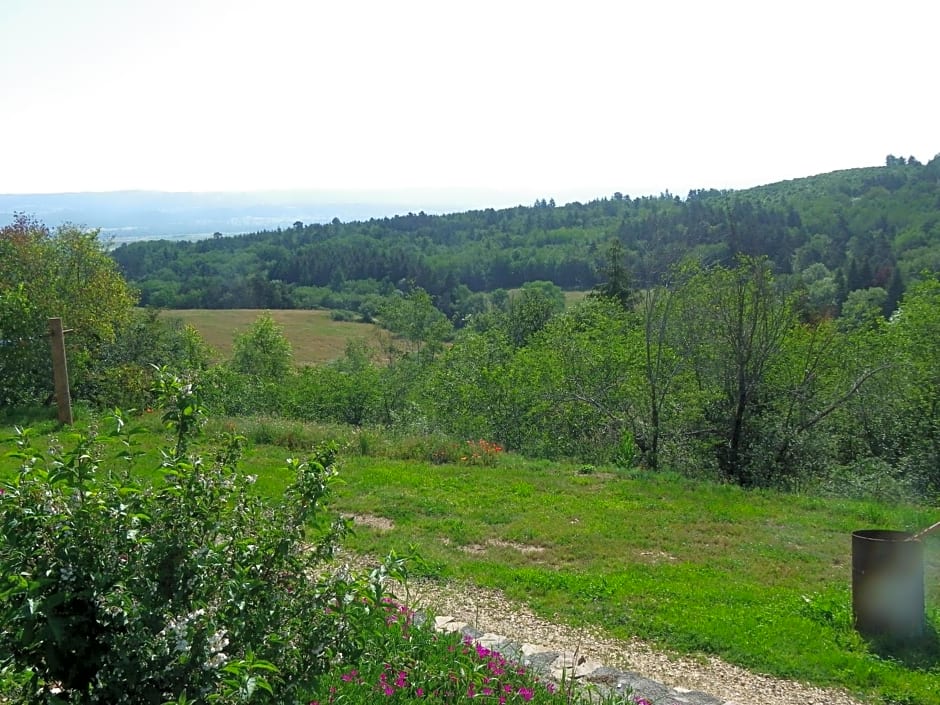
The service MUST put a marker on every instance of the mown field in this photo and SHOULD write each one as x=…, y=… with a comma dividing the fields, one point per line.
x=314, y=336
x=760, y=578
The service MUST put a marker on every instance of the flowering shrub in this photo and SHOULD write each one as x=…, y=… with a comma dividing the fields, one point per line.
x=481, y=452
x=411, y=663
x=192, y=590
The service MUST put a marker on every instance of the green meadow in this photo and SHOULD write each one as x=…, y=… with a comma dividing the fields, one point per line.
x=757, y=577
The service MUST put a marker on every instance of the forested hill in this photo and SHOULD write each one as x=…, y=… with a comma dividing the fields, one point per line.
x=838, y=232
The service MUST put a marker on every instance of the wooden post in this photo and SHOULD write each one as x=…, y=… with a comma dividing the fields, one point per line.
x=60, y=370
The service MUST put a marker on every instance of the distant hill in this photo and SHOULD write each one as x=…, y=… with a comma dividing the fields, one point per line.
x=127, y=216
x=831, y=234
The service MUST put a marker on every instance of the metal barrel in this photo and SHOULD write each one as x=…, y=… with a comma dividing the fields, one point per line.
x=888, y=584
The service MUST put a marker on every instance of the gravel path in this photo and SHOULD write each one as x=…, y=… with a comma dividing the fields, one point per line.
x=490, y=611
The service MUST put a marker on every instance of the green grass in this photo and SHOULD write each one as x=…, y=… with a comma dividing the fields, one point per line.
x=314, y=336
x=760, y=578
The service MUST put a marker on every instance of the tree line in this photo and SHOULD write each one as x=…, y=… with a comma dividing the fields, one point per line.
x=872, y=228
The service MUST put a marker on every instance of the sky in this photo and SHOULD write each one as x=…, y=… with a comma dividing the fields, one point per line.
x=570, y=100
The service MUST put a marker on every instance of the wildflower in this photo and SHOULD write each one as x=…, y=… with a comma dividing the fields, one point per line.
x=525, y=693
x=349, y=677
x=388, y=690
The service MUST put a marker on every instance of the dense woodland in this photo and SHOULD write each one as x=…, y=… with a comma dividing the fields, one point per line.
x=835, y=233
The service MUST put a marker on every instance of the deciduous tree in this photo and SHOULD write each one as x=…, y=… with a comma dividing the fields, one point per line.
x=67, y=274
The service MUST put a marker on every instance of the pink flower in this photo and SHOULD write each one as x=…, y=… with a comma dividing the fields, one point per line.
x=525, y=693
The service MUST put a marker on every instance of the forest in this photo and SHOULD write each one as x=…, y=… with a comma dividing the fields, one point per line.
x=858, y=229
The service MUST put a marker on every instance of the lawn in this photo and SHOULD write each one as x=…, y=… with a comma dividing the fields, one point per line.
x=314, y=336
x=760, y=578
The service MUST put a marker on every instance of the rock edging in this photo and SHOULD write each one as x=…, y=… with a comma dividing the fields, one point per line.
x=562, y=666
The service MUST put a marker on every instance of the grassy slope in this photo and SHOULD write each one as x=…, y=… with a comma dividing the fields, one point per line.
x=314, y=337
x=760, y=578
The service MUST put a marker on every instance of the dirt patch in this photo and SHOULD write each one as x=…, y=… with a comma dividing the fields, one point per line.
x=524, y=548
x=372, y=521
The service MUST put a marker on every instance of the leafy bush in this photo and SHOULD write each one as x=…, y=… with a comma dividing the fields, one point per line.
x=189, y=590
x=481, y=452
x=263, y=351
x=407, y=661
x=339, y=314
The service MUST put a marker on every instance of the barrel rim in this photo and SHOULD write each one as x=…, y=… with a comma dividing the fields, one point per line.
x=885, y=536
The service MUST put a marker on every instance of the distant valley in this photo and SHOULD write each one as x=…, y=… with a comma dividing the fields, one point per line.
x=128, y=216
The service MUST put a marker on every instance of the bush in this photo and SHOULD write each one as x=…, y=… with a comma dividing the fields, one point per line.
x=409, y=662
x=189, y=590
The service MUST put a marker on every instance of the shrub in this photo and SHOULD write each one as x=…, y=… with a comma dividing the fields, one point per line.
x=189, y=590
x=481, y=452
x=407, y=661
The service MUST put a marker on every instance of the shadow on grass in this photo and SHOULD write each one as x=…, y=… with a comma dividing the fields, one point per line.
x=915, y=653
x=29, y=416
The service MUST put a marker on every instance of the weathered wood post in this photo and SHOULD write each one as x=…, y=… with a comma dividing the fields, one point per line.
x=60, y=371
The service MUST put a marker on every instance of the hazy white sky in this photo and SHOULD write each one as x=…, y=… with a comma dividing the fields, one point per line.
x=566, y=100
